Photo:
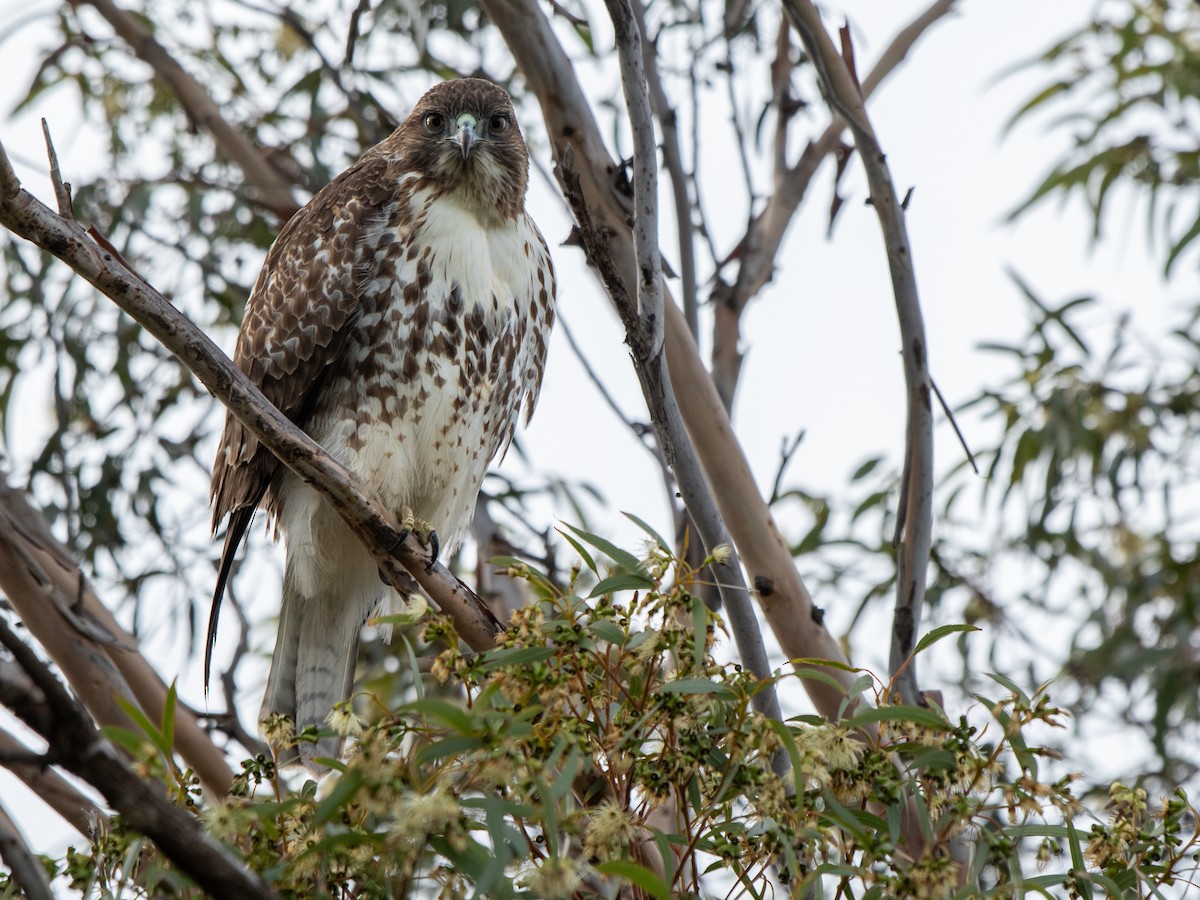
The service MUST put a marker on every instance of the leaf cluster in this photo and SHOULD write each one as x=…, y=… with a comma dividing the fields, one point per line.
x=601, y=744
x=1125, y=90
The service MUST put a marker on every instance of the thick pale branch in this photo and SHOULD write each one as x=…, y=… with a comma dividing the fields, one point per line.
x=915, y=519
x=269, y=187
x=784, y=600
x=24, y=215
x=100, y=660
x=27, y=871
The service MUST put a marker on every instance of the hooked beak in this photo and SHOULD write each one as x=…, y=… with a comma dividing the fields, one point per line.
x=465, y=137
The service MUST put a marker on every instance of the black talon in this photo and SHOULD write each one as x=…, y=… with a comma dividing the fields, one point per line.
x=404, y=533
x=435, y=546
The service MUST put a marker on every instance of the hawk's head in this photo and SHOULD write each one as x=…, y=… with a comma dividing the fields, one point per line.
x=463, y=136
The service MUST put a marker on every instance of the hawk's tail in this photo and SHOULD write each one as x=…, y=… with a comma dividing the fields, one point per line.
x=312, y=668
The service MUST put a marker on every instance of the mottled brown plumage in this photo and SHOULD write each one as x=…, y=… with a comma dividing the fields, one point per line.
x=401, y=319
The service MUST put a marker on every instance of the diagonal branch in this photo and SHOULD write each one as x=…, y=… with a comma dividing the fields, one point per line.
x=646, y=337
x=26, y=870
x=24, y=215
x=915, y=515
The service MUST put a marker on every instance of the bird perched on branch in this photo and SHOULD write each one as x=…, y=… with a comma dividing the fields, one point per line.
x=401, y=319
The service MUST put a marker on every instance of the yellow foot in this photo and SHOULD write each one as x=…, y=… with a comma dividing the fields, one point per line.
x=424, y=532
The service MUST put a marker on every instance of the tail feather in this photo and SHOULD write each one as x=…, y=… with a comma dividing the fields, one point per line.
x=239, y=521
x=312, y=667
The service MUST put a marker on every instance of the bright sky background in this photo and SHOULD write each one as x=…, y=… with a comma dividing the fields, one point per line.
x=822, y=340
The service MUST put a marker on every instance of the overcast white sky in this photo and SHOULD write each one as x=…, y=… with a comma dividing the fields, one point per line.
x=822, y=340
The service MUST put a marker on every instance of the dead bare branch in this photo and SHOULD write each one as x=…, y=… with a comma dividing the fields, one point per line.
x=759, y=247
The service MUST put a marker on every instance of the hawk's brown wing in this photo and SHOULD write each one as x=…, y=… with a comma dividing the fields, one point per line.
x=294, y=327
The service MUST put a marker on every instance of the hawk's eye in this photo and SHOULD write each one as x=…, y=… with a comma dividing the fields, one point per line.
x=435, y=122
x=498, y=123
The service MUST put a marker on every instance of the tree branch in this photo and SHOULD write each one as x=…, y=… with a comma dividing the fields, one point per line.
x=783, y=598
x=915, y=516
x=97, y=657
x=143, y=804
x=27, y=871
x=759, y=247
x=52, y=789
x=24, y=215
x=673, y=160
x=269, y=186
x=646, y=336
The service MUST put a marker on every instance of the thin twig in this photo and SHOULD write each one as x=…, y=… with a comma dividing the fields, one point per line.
x=786, y=451
x=954, y=422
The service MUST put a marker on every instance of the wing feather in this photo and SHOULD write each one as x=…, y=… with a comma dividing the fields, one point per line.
x=294, y=328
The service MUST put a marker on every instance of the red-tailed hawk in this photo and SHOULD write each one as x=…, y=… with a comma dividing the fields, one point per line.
x=401, y=319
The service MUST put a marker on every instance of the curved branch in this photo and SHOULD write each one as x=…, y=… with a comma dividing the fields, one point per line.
x=915, y=514
x=759, y=247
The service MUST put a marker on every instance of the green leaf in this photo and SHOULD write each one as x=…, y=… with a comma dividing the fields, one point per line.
x=658, y=538
x=347, y=786
x=622, y=558
x=168, y=720
x=1078, y=863
x=449, y=714
x=639, y=876
x=141, y=720
x=918, y=715
x=608, y=631
x=515, y=656
x=938, y=633
x=582, y=551
x=698, y=686
x=616, y=583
